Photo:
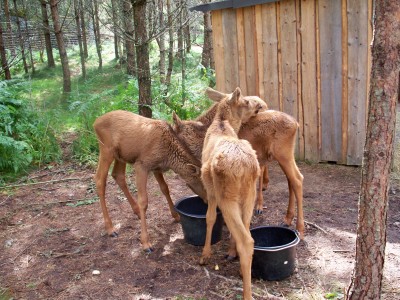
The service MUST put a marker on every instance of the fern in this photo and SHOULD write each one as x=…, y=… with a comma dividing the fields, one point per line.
x=14, y=155
x=25, y=138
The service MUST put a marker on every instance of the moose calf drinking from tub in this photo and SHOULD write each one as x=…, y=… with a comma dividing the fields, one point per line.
x=152, y=146
x=272, y=135
x=229, y=172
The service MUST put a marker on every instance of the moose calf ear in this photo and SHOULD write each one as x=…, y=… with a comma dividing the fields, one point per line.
x=215, y=95
x=238, y=92
x=195, y=169
x=235, y=95
x=177, y=121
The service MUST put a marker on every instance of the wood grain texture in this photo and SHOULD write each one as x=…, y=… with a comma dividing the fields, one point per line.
x=241, y=50
x=308, y=58
x=357, y=75
x=345, y=88
x=270, y=56
x=289, y=57
x=218, y=44
x=300, y=118
x=259, y=50
x=280, y=70
x=330, y=30
x=230, y=49
x=250, y=47
x=309, y=80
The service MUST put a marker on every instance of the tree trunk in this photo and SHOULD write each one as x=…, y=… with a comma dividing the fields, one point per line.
x=207, y=44
x=21, y=41
x=129, y=38
x=83, y=26
x=186, y=27
x=366, y=281
x=142, y=53
x=96, y=29
x=79, y=34
x=161, y=41
x=27, y=30
x=61, y=47
x=46, y=32
x=4, y=63
x=171, y=44
x=9, y=30
x=115, y=29
x=180, y=30
x=182, y=53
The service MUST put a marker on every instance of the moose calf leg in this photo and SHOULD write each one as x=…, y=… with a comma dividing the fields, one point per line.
x=211, y=217
x=244, y=242
x=260, y=198
x=262, y=183
x=295, y=184
x=265, y=175
x=119, y=175
x=165, y=190
x=141, y=184
x=105, y=160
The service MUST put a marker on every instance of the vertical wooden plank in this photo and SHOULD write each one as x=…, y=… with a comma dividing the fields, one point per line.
x=241, y=50
x=345, y=89
x=357, y=79
x=319, y=96
x=289, y=56
x=230, y=55
x=330, y=29
x=250, y=50
x=259, y=50
x=218, y=43
x=280, y=69
x=300, y=118
x=288, y=31
x=370, y=33
x=270, y=56
x=309, y=80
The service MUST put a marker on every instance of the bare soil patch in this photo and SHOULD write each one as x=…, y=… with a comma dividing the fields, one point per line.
x=52, y=239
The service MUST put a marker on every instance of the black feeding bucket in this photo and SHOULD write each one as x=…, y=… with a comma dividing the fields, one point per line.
x=274, y=252
x=192, y=211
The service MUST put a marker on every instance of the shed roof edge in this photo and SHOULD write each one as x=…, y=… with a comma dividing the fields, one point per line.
x=228, y=4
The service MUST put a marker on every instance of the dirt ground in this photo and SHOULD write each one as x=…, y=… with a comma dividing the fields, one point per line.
x=52, y=239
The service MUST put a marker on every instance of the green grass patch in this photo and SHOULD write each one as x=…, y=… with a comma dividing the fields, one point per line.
x=83, y=202
x=5, y=294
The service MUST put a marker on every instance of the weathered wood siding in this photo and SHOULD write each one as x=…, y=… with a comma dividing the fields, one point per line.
x=308, y=58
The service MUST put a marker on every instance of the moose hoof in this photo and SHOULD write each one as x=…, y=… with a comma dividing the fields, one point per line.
x=303, y=243
x=113, y=234
x=203, y=261
x=149, y=250
x=230, y=257
x=259, y=212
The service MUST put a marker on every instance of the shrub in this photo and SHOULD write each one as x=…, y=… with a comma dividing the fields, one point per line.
x=25, y=137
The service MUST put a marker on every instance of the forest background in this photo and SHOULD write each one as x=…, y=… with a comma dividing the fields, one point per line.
x=67, y=62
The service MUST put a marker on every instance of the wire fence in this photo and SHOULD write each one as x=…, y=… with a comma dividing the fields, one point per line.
x=31, y=34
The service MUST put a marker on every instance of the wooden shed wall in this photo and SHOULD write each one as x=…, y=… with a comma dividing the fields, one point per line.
x=308, y=58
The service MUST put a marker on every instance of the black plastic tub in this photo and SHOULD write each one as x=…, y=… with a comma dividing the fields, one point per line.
x=274, y=252
x=192, y=211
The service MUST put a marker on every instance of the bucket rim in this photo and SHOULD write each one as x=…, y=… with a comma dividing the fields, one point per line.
x=196, y=216
x=281, y=247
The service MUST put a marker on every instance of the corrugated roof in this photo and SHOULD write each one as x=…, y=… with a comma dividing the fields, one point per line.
x=228, y=4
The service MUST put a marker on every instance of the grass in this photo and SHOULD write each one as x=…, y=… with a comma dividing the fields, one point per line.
x=5, y=294
x=110, y=88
